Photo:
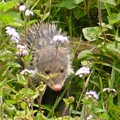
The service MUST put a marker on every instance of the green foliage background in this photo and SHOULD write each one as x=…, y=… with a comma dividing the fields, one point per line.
x=93, y=28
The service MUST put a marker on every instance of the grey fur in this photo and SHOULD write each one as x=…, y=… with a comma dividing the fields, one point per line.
x=46, y=58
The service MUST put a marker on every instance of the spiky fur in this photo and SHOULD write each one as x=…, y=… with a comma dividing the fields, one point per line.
x=45, y=55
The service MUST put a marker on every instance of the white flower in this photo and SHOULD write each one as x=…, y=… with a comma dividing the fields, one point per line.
x=21, y=50
x=26, y=71
x=91, y=94
x=8, y=28
x=83, y=70
x=28, y=13
x=21, y=46
x=13, y=38
x=89, y=117
x=25, y=52
x=109, y=90
x=13, y=33
x=22, y=8
x=10, y=31
x=22, y=53
x=60, y=38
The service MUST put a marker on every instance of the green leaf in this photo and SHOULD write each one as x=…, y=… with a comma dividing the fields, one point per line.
x=78, y=14
x=66, y=102
x=32, y=22
x=92, y=33
x=10, y=101
x=112, y=2
x=117, y=38
x=84, y=54
x=23, y=105
x=15, y=15
x=65, y=118
x=16, y=24
x=98, y=110
x=21, y=79
x=14, y=65
x=5, y=6
x=40, y=116
x=4, y=55
x=16, y=19
x=69, y=4
x=37, y=12
x=114, y=18
x=5, y=19
x=111, y=47
x=87, y=63
x=45, y=16
x=11, y=18
x=78, y=1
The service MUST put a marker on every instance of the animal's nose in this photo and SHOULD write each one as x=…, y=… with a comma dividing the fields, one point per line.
x=57, y=87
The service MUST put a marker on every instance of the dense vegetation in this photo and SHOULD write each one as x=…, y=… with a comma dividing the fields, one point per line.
x=93, y=29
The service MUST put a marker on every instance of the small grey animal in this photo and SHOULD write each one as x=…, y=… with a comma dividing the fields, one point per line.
x=51, y=55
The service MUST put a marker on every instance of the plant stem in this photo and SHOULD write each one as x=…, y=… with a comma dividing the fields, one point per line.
x=100, y=21
x=83, y=91
x=87, y=11
x=58, y=100
x=39, y=100
x=1, y=108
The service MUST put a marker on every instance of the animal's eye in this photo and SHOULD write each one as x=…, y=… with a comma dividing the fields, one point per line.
x=62, y=70
x=47, y=72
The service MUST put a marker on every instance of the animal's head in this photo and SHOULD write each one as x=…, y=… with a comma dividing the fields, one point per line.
x=55, y=64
